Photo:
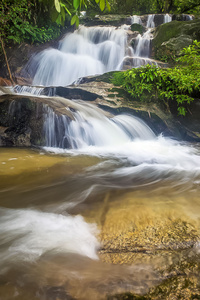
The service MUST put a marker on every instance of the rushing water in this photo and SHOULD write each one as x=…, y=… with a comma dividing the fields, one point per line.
x=68, y=210
x=55, y=206
x=90, y=51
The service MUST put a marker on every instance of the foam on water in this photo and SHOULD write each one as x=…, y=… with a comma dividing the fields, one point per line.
x=91, y=126
x=156, y=159
x=27, y=234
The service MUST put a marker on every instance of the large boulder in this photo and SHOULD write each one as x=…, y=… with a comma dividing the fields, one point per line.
x=171, y=38
x=22, y=119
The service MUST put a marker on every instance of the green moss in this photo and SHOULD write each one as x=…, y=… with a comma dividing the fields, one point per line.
x=171, y=38
x=137, y=27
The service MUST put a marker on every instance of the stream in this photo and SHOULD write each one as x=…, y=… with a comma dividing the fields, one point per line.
x=107, y=206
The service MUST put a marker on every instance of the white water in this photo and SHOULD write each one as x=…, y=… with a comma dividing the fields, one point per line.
x=130, y=157
x=125, y=138
x=150, y=21
x=136, y=19
x=31, y=233
x=167, y=18
x=143, y=41
x=91, y=51
x=91, y=127
x=87, y=51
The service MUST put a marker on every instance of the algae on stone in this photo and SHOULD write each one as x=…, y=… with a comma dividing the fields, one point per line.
x=171, y=38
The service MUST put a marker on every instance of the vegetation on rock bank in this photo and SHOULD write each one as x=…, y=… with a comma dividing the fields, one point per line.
x=43, y=20
x=175, y=87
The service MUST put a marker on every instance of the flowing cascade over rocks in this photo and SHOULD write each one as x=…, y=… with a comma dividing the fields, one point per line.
x=87, y=51
x=92, y=51
x=90, y=127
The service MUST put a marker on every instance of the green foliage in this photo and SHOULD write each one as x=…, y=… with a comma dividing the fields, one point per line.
x=132, y=6
x=191, y=56
x=155, y=6
x=61, y=10
x=176, y=86
x=18, y=23
x=39, y=20
x=188, y=6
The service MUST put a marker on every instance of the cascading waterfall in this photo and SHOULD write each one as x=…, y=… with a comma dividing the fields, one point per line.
x=90, y=127
x=92, y=51
x=136, y=20
x=87, y=51
x=167, y=18
x=143, y=42
x=150, y=21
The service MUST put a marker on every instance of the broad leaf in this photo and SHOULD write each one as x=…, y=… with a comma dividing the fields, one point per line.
x=76, y=4
x=57, y=5
x=77, y=21
x=73, y=20
x=63, y=13
x=102, y=5
x=59, y=20
x=108, y=5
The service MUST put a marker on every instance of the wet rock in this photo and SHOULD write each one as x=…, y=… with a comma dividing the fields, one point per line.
x=102, y=20
x=22, y=119
x=182, y=17
x=159, y=19
x=143, y=233
x=25, y=126
x=176, y=44
x=137, y=27
x=171, y=38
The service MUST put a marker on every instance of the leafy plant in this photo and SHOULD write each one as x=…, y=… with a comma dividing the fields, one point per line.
x=178, y=85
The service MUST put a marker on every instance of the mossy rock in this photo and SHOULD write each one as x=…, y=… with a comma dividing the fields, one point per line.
x=171, y=38
x=138, y=27
x=101, y=20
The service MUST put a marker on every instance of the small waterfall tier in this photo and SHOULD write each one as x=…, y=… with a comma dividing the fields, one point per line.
x=142, y=46
x=91, y=127
x=95, y=50
x=87, y=51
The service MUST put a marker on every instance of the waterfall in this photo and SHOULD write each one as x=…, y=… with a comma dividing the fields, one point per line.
x=143, y=41
x=24, y=90
x=87, y=51
x=150, y=21
x=90, y=51
x=167, y=18
x=90, y=127
x=136, y=19
x=189, y=18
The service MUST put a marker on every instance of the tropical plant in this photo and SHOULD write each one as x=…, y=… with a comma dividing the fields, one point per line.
x=177, y=86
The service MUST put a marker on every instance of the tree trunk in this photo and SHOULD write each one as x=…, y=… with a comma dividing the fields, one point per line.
x=6, y=59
